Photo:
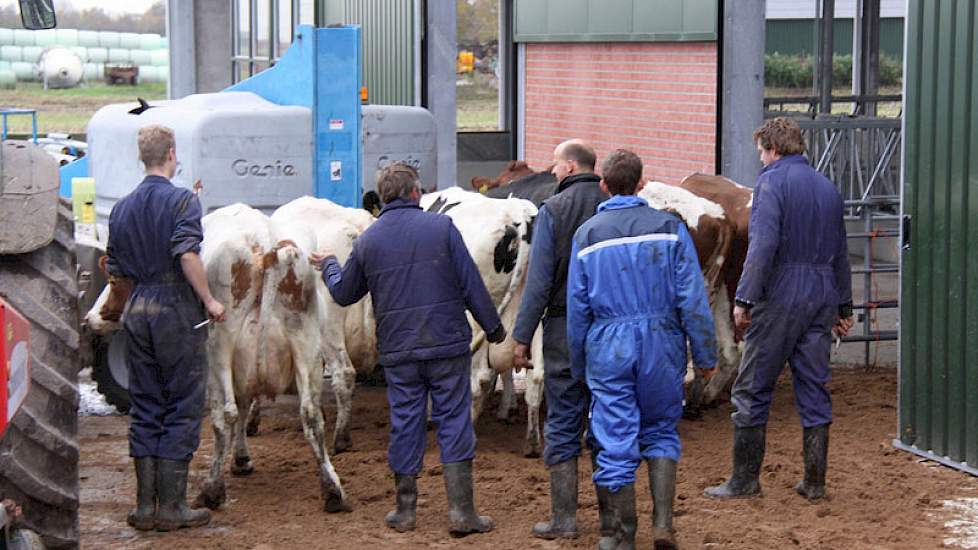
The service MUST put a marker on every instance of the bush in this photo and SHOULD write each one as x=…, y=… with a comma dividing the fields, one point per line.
x=797, y=71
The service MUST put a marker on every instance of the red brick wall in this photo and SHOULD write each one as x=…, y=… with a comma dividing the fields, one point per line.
x=658, y=99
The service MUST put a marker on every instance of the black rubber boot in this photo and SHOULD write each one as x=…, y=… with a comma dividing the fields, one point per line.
x=748, y=454
x=143, y=516
x=605, y=519
x=816, y=450
x=662, y=482
x=171, y=483
x=462, y=518
x=404, y=518
x=622, y=507
x=563, y=503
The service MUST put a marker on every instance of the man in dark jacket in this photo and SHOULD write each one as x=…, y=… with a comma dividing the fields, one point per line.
x=154, y=239
x=422, y=279
x=794, y=292
x=577, y=199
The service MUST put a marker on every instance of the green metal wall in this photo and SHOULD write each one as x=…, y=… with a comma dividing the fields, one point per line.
x=938, y=409
x=796, y=36
x=388, y=45
x=615, y=20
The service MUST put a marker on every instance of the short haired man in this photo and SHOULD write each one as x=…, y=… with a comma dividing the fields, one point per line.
x=635, y=294
x=794, y=292
x=421, y=279
x=154, y=239
x=577, y=199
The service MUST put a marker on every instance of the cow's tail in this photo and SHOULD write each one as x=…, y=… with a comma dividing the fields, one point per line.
x=516, y=278
x=274, y=264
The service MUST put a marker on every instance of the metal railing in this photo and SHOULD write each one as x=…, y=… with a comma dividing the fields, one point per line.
x=861, y=104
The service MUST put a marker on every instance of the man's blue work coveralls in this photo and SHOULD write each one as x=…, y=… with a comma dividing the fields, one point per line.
x=635, y=293
x=149, y=230
x=797, y=282
x=421, y=279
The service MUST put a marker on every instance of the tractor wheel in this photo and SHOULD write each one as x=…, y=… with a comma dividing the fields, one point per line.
x=39, y=452
x=109, y=370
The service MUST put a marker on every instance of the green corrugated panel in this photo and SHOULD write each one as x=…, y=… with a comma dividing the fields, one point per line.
x=939, y=317
x=388, y=45
x=796, y=36
x=615, y=20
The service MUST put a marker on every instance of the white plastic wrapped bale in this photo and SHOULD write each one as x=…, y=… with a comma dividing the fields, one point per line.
x=88, y=39
x=242, y=148
x=93, y=71
x=108, y=39
x=32, y=53
x=7, y=78
x=6, y=37
x=67, y=37
x=11, y=53
x=118, y=55
x=98, y=55
x=140, y=57
x=160, y=58
x=23, y=37
x=45, y=38
x=5, y=65
x=150, y=41
x=23, y=71
x=147, y=74
x=81, y=51
x=129, y=40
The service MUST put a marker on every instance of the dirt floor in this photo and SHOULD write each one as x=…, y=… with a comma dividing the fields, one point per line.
x=880, y=497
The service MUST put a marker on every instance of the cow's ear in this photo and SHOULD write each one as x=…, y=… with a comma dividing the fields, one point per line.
x=103, y=263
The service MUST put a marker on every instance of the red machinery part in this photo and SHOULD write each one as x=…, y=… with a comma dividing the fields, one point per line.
x=15, y=368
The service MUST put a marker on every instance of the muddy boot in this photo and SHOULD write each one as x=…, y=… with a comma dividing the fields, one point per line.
x=605, y=520
x=662, y=482
x=171, y=483
x=143, y=517
x=563, y=503
x=816, y=450
x=403, y=519
x=748, y=454
x=462, y=518
x=622, y=507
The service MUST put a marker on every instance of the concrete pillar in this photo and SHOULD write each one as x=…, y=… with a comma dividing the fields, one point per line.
x=199, y=34
x=742, y=108
x=440, y=54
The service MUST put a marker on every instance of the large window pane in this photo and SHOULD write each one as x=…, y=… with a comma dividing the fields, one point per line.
x=478, y=65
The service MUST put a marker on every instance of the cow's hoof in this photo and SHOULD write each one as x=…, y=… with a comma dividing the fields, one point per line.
x=532, y=449
x=251, y=430
x=334, y=504
x=212, y=495
x=242, y=466
x=342, y=443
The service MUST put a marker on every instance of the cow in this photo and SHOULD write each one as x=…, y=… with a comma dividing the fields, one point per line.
x=535, y=187
x=497, y=234
x=514, y=170
x=713, y=235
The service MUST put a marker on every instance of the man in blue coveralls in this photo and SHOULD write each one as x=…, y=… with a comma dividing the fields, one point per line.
x=794, y=292
x=422, y=279
x=635, y=293
x=154, y=239
x=545, y=297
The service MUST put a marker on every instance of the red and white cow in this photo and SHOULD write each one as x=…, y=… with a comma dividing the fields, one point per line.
x=497, y=235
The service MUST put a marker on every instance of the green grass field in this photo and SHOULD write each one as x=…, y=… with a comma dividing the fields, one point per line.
x=69, y=110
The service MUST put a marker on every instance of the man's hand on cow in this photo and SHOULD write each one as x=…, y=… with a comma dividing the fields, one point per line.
x=215, y=311
x=705, y=374
x=742, y=318
x=318, y=257
x=521, y=356
x=842, y=326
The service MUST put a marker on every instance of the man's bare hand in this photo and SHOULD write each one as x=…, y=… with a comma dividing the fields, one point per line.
x=521, y=356
x=842, y=326
x=318, y=257
x=705, y=374
x=742, y=318
x=215, y=311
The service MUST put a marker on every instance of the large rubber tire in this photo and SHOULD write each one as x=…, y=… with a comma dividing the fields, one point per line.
x=39, y=452
x=109, y=370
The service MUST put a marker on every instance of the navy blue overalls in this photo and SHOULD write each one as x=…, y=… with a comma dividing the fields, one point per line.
x=635, y=293
x=149, y=230
x=796, y=279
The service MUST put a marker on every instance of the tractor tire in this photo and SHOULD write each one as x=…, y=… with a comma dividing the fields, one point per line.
x=109, y=370
x=39, y=452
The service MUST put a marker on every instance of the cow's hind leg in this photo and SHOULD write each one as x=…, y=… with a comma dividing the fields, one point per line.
x=344, y=382
x=242, y=458
x=728, y=362
x=220, y=400
x=508, y=401
x=533, y=447
x=309, y=375
x=254, y=418
x=481, y=380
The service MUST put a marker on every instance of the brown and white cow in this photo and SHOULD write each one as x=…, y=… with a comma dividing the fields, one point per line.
x=497, y=235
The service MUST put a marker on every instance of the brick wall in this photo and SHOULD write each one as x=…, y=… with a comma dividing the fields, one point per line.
x=658, y=99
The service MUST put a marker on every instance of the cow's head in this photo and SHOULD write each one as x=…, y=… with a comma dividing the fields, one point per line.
x=107, y=311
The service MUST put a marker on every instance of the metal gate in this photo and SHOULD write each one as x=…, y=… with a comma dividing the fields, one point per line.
x=938, y=404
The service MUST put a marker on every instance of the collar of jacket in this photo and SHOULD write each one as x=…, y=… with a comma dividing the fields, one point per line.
x=397, y=204
x=156, y=179
x=783, y=161
x=571, y=180
x=619, y=202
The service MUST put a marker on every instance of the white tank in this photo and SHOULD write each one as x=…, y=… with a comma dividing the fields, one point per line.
x=59, y=67
x=241, y=147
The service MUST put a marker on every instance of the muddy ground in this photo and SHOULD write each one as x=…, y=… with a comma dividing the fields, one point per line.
x=880, y=497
